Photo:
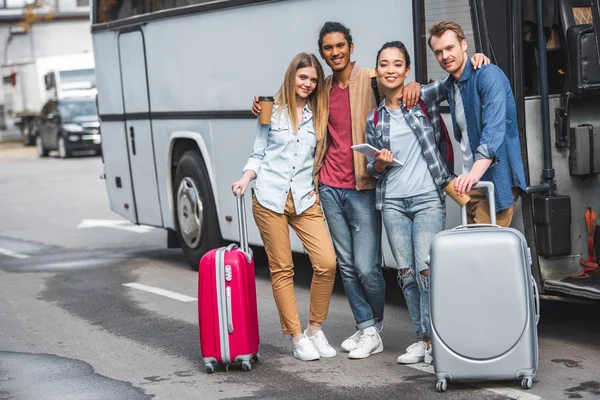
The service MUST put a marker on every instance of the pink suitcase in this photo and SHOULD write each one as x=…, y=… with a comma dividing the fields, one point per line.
x=227, y=309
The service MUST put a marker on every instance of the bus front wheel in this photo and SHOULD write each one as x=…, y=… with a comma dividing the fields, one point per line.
x=197, y=225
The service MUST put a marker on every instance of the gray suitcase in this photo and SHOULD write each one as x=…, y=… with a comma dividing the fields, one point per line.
x=484, y=304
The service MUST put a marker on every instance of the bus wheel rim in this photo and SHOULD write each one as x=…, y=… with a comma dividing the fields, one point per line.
x=189, y=212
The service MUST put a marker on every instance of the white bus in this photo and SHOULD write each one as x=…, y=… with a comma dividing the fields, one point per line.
x=176, y=79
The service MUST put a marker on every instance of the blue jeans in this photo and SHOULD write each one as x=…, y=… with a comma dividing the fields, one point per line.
x=410, y=224
x=355, y=229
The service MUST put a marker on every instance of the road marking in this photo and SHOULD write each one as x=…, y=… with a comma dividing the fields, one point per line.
x=161, y=292
x=116, y=224
x=489, y=386
x=13, y=254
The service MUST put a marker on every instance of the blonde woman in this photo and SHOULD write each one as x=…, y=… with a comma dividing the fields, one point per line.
x=282, y=162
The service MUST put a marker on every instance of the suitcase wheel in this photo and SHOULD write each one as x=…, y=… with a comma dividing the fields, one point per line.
x=210, y=368
x=441, y=386
x=246, y=366
x=527, y=382
x=257, y=357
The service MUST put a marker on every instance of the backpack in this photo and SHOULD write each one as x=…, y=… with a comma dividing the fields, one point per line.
x=444, y=145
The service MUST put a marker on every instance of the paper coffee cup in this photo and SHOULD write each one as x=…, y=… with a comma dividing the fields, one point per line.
x=266, y=108
x=450, y=191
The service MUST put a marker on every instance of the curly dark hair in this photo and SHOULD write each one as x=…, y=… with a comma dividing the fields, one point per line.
x=330, y=27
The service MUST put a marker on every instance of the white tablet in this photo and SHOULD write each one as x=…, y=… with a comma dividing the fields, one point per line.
x=369, y=151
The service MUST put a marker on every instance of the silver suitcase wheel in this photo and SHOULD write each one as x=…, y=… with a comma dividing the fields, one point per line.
x=442, y=385
x=246, y=366
x=527, y=383
x=210, y=368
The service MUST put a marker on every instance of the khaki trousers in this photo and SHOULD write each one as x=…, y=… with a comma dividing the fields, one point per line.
x=478, y=209
x=311, y=229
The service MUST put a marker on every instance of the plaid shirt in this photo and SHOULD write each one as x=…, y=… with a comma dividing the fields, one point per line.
x=427, y=132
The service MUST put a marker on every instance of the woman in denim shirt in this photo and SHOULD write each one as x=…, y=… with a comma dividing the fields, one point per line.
x=410, y=196
x=282, y=162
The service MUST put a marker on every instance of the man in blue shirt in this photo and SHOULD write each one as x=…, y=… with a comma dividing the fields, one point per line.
x=484, y=118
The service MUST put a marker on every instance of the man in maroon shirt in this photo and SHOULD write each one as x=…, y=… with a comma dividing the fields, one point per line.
x=347, y=191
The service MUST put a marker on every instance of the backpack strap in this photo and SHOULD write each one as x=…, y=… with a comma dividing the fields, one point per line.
x=374, y=86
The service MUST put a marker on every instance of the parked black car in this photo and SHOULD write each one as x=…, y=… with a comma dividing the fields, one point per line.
x=68, y=125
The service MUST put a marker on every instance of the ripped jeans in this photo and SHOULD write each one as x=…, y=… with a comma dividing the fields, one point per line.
x=411, y=224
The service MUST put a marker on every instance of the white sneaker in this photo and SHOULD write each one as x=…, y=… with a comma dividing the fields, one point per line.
x=352, y=342
x=415, y=353
x=367, y=345
x=320, y=343
x=304, y=350
x=428, y=357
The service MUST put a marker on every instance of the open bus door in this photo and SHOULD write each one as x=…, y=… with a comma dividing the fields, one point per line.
x=557, y=83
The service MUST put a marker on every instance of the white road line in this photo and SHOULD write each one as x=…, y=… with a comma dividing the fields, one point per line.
x=116, y=224
x=13, y=254
x=489, y=386
x=161, y=292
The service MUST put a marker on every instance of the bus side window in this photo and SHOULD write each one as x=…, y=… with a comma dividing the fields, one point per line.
x=111, y=10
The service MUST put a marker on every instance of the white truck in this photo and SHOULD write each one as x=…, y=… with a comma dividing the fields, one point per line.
x=28, y=85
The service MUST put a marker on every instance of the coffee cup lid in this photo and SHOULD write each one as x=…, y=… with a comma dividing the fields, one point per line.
x=266, y=98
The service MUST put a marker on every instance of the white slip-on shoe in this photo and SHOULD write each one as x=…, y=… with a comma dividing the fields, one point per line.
x=351, y=343
x=304, y=350
x=415, y=353
x=367, y=345
x=322, y=345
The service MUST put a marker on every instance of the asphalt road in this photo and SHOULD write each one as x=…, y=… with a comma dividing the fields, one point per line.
x=70, y=329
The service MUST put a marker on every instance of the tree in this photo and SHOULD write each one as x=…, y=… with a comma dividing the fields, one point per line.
x=37, y=11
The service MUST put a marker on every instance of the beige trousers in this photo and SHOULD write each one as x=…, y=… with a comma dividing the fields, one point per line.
x=478, y=209
x=311, y=229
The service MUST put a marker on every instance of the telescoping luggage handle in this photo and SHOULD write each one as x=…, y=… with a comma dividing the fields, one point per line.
x=491, y=201
x=243, y=224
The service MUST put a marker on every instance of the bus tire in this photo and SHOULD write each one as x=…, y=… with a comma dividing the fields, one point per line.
x=195, y=210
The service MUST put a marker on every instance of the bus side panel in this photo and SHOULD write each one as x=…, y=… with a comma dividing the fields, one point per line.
x=163, y=130
x=582, y=190
x=106, y=53
x=209, y=62
x=214, y=61
x=114, y=144
x=116, y=168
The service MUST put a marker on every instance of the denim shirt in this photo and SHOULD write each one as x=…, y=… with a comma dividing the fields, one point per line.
x=492, y=128
x=283, y=161
x=379, y=137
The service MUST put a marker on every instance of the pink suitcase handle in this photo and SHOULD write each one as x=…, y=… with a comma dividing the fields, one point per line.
x=242, y=223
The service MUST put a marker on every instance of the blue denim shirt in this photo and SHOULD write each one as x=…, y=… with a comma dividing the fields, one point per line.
x=284, y=161
x=492, y=128
x=427, y=132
